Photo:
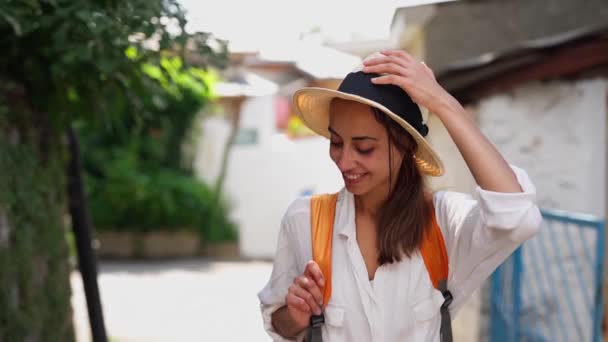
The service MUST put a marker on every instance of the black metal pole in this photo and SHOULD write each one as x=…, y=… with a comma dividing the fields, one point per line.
x=81, y=224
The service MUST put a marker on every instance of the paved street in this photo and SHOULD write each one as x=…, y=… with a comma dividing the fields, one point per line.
x=191, y=300
x=194, y=300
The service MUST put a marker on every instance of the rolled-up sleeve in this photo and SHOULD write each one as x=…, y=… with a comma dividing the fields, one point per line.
x=515, y=212
x=482, y=230
x=284, y=271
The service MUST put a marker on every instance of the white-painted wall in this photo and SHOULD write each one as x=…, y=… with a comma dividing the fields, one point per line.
x=264, y=178
x=556, y=131
x=457, y=176
x=210, y=148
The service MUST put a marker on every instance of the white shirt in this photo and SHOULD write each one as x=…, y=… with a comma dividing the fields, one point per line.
x=480, y=232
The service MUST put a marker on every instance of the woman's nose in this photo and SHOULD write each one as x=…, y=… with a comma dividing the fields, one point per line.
x=345, y=160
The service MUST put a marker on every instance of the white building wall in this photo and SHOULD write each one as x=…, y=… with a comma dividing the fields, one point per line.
x=265, y=177
x=557, y=132
x=263, y=180
x=457, y=176
x=215, y=132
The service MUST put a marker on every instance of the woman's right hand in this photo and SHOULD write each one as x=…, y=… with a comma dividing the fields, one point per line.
x=305, y=296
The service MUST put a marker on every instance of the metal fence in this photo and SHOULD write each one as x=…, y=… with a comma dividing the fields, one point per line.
x=550, y=289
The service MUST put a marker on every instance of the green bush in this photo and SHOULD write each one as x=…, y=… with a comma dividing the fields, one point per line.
x=138, y=178
x=130, y=199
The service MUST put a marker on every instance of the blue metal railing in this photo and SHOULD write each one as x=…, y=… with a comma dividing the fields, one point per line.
x=550, y=289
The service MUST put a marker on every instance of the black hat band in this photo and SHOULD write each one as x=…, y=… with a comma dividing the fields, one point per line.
x=390, y=96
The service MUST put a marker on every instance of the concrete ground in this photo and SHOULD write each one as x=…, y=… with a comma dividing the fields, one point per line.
x=191, y=300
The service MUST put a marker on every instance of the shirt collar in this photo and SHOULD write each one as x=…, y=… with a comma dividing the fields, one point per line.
x=345, y=214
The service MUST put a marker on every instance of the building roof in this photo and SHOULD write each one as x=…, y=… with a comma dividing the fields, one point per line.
x=314, y=60
x=478, y=47
x=562, y=55
x=467, y=30
x=242, y=83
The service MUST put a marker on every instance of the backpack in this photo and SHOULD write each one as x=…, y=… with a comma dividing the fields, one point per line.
x=322, y=212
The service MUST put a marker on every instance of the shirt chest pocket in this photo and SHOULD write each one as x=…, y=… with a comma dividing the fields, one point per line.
x=333, y=329
x=428, y=307
x=334, y=316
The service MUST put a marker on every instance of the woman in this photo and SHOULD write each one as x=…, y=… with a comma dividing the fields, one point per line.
x=381, y=288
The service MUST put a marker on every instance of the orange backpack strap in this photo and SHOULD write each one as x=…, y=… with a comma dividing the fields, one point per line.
x=434, y=253
x=322, y=213
x=437, y=265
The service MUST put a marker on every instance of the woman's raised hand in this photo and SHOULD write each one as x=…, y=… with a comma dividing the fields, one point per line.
x=305, y=297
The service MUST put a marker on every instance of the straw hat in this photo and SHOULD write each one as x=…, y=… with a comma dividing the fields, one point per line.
x=312, y=106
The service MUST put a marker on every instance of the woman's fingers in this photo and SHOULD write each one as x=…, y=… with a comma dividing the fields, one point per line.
x=386, y=60
x=314, y=292
x=296, y=302
x=386, y=68
x=313, y=271
x=393, y=62
x=301, y=288
x=389, y=79
x=401, y=69
x=400, y=55
x=305, y=292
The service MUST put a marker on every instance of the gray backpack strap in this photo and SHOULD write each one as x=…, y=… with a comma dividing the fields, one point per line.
x=445, y=332
x=314, y=330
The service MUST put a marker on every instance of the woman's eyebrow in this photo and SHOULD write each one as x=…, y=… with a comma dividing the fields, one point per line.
x=331, y=130
x=364, y=137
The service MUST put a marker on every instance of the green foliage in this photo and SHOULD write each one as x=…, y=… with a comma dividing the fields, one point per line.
x=117, y=69
x=61, y=62
x=160, y=199
x=156, y=131
x=137, y=176
x=218, y=227
x=82, y=58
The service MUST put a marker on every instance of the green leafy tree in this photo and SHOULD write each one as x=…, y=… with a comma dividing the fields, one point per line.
x=139, y=177
x=62, y=61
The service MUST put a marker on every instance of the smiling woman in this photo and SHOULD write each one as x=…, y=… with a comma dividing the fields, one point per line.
x=370, y=155
x=388, y=231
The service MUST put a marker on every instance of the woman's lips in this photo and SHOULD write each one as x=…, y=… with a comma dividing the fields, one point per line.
x=353, y=178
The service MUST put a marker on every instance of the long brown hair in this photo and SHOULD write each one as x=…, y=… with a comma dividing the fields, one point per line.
x=403, y=216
